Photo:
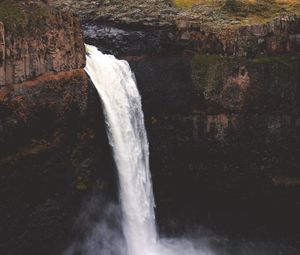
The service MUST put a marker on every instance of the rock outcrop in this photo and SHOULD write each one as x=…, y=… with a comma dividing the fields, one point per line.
x=51, y=42
x=280, y=36
x=2, y=54
x=224, y=132
x=207, y=28
x=52, y=135
x=220, y=94
x=221, y=103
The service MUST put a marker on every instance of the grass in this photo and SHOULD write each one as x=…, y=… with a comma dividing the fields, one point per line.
x=200, y=60
x=250, y=11
x=252, y=4
x=186, y=3
x=11, y=12
x=16, y=15
x=286, y=60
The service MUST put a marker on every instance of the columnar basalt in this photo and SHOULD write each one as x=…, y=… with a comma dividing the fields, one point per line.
x=280, y=36
x=41, y=54
x=52, y=149
x=51, y=42
x=2, y=54
x=221, y=103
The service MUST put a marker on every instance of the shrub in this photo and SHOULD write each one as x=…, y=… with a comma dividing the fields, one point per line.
x=231, y=5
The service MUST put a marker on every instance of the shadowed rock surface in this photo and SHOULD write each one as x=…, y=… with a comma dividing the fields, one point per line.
x=52, y=131
x=221, y=104
x=26, y=54
x=208, y=27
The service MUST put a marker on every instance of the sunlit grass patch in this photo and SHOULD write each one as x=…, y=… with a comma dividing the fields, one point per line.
x=186, y=3
x=243, y=4
x=242, y=12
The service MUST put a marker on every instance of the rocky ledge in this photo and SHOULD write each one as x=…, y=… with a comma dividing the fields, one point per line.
x=220, y=90
x=35, y=39
x=50, y=144
x=42, y=53
x=266, y=28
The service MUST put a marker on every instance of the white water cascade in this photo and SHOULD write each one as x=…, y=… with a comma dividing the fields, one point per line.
x=121, y=101
x=116, y=86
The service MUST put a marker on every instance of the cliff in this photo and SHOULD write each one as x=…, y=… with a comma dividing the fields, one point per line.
x=220, y=94
x=42, y=51
x=41, y=40
x=220, y=90
x=49, y=139
x=251, y=28
x=280, y=36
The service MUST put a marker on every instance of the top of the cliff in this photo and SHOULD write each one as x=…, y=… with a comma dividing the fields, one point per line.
x=142, y=12
x=236, y=12
x=217, y=13
x=16, y=14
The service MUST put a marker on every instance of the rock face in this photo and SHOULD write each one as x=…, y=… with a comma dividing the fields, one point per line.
x=221, y=109
x=41, y=51
x=222, y=113
x=52, y=135
x=281, y=36
x=2, y=53
x=222, y=131
x=206, y=28
x=28, y=55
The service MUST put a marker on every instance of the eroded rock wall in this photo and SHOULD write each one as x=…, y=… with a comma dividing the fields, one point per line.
x=224, y=135
x=2, y=54
x=53, y=44
x=280, y=36
x=53, y=146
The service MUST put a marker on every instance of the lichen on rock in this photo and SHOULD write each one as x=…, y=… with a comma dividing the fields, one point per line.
x=36, y=39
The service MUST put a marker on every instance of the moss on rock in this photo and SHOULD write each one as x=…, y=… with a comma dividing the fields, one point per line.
x=17, y=16
x=233, y=83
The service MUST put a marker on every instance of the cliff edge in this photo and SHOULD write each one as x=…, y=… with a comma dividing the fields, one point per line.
x=46, y=134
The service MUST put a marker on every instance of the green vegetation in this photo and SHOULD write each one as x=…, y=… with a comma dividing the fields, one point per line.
x=209, y=70
x=223, y=81
x=201, y=59
x=16, y=15
x=185, y=3
x=11, y=12
x=231, y=5
x=285, y=60
x=243, y=11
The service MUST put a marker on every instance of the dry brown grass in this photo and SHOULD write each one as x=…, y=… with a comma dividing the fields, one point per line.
x=277, y=3
x=244, y=11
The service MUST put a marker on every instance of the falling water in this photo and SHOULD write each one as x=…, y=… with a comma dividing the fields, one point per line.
x=116, y=86
x=121, y=101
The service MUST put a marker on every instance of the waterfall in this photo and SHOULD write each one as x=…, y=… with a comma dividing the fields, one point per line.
x=121, y=101
x=122, y=107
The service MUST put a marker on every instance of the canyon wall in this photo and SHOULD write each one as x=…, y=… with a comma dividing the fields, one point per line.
x=224, y=132
x=279, y=36
x=52, y=135
x=222, y=112
x=221, y=109
x=52, y=42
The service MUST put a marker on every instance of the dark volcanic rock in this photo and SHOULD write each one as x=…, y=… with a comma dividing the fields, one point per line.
x=121, y=40
x=54, y=151
x=224, y=136
x=223, y=131
x=57, y=159
x=205, y=28
x=25, y=54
